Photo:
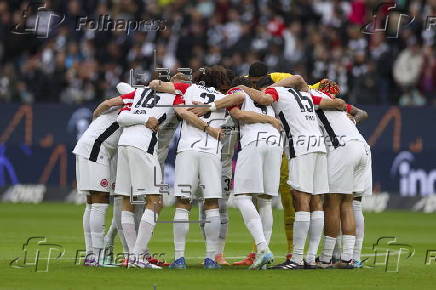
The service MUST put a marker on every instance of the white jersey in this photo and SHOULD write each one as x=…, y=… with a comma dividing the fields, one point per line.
x=192, y=138
x=250, y=132
x=296, y=110
x=338, y=128
x=100, y=140
x=146, y=103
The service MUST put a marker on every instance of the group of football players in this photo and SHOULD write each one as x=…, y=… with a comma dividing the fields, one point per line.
x=290, y=137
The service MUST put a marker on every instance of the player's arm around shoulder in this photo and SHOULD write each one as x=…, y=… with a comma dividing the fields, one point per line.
x=230, y=100
x=106, y=105
x=259, y=97
x=294, y=81
x=126, y=119
x=331, y=104
x=195, y=121
x=358, y=115
x=253, y=117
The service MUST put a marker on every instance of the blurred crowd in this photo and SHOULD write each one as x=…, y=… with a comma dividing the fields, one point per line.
x=339, y=40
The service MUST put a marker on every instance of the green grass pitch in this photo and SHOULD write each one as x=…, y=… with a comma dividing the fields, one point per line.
x=61, y=224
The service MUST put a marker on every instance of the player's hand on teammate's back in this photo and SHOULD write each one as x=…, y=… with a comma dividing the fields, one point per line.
x=342, y=105
x=152, y=123
x=276, y=124
x=199, y=111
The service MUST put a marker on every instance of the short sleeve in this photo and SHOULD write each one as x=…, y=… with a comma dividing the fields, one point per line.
x=316, y=100
x=178, y=100
x=232, y=107
x=182, y=87
x=233, y=90
x=128, y=98
x=273, y=92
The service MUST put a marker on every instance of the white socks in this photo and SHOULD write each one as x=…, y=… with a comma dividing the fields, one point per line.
x=145, y=232
x=139, y=211
x=347, y=247
x=128, y=225
x=180, y=230
x=338, y=247
x=224, y=225
x=118, y=201
x=252, y=221
x=110, y=235
x=265, y=211
x=212, y=231
x=315, y=232
x=87, y=229
x=301, y=229
x=97, y=224
x=360, y=229
x=327, y=252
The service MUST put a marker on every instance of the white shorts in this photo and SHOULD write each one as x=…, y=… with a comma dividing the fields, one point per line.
x=92, y=176
x=308, y=173
x=138, y=172
x=258, y=169
x=192, y=167
x=349, y=169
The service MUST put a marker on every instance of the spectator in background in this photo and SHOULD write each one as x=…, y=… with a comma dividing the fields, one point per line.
x=317, y=39
x=407, y=71
x=381, y=56
x=428, y=77
x=293, y=49
x=363, y=80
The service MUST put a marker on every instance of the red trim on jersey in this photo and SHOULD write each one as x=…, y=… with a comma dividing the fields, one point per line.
x=273, y=92
x=233, y=90
x=349, y=108
x=316, y=100
x=232, y=107
x=125, y=108
x=328, y=94
x=129, y=96
x=178, y=100
x=181, y=87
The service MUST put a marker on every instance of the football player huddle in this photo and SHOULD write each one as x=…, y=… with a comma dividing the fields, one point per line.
x=291, y=138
